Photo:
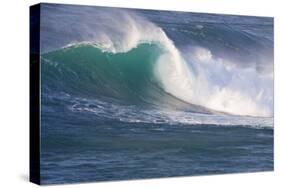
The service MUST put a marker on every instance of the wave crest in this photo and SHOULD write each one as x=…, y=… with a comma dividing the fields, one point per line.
x=141, y=51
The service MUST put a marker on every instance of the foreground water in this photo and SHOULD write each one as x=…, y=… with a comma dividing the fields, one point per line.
x=86, y=147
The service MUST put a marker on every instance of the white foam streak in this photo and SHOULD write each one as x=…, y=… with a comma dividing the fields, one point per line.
x=133, y=114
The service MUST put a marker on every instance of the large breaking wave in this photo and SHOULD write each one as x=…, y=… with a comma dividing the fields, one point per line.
x=122, y=56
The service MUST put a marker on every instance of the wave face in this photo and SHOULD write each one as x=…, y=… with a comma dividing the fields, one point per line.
x=124, y=58
x=87, y=71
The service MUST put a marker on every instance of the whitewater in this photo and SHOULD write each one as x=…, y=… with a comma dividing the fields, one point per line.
x=193, y=74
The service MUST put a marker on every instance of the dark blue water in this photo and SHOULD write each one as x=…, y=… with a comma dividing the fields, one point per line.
x=83, y=148
x=132, y=94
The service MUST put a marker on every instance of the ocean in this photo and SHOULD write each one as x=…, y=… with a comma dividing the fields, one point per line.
x=132, y=94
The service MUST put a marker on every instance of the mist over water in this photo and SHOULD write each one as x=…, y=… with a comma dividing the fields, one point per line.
x=223, y=76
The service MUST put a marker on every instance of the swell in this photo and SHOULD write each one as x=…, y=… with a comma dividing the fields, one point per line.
x=87, y=71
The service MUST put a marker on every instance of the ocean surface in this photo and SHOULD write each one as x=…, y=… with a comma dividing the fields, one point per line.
x=132, y=94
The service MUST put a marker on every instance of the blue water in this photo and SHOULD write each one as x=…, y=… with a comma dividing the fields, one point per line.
x=132, y=94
